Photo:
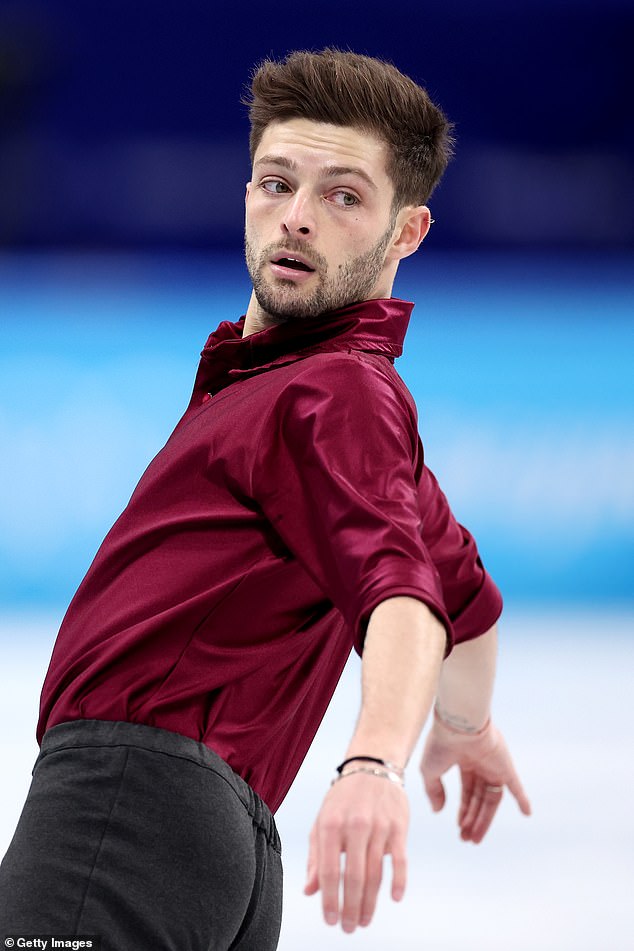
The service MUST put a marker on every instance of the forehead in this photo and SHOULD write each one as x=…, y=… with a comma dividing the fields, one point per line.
x=318, y=144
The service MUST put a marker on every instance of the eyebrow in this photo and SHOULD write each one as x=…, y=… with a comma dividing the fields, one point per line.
x=328, y=171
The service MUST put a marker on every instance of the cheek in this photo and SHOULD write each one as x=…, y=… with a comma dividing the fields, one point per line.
x=353, y=242
x=257, y=215
x=250, y=218
x=251, y=203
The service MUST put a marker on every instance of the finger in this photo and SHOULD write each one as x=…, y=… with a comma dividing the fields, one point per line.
x=435, y=793
x=312, y=883
x=398, y=848
x=491, y=799
x=373, y=877
x=354, y=878
x=468, y=803
x=312, y=880
x=470, y=816
x=480, y=810
x=517, y=789
x=329, y=869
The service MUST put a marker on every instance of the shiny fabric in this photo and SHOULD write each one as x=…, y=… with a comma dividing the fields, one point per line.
x=291, y=499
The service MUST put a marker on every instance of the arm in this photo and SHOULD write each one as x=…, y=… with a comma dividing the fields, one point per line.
x=364, y=815
x=466, y=683
x=463, y=734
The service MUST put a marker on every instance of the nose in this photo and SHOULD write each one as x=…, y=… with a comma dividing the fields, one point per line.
x=298, y=217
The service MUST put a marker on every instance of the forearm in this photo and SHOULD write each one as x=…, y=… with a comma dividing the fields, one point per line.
x=465, y=736
x=402, y=657
x=466, y=682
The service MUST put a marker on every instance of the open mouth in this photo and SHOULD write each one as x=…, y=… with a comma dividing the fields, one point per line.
x=293, y=263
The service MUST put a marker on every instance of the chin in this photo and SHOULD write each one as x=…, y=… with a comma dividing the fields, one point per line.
x=283, y=308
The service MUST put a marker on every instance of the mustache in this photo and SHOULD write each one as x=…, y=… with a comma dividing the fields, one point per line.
x=296, y=247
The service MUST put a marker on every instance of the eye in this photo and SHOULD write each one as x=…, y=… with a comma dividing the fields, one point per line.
x=344, y=199
x=274, y=186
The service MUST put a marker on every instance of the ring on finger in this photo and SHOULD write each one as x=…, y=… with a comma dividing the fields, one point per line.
x=493, y=789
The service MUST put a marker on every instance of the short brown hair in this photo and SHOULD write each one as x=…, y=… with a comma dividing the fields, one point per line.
x=344, y=88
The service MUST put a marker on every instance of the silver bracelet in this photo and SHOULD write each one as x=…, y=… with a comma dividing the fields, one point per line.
x=392, y=767
x=372, y=771
x=460, y=730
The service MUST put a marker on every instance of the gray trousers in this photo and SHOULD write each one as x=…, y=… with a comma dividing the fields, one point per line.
x=146, y=838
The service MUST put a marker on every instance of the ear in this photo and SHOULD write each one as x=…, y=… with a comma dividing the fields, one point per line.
x=247, y=192
x=412, y=225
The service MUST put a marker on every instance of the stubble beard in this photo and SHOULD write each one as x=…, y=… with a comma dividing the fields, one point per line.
x=353, y=281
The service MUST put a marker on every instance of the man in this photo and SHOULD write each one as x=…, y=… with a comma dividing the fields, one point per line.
x=289, y=517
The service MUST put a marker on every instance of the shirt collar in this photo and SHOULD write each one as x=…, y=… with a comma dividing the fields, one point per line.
x=372, y=326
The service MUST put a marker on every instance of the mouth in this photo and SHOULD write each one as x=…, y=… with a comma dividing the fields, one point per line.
x=292, y=263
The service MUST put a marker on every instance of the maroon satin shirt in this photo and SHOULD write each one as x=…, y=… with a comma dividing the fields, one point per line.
x=290, y=500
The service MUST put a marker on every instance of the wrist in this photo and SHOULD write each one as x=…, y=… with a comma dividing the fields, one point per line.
x=389, y=747
x=370, y=761
x=460, y=725
x=377, y=771
x=370, y=766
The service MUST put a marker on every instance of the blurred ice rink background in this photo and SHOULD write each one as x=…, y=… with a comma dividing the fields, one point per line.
x=522, y=374
x=122, y=167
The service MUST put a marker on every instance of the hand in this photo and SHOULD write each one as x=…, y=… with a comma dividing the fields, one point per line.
x=365, y=817
x=486, y=768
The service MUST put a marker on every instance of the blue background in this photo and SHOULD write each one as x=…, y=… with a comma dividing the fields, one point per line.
x=122, y=173
x=521, y=368
x=122, y=122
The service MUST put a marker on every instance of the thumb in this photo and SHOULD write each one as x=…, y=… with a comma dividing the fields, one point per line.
x=312, y=883
x=312, y=880
x=435, y=792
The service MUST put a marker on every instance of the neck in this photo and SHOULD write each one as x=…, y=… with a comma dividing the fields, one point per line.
x=256, y=318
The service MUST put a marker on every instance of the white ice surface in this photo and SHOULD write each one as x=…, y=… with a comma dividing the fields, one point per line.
x=562, y=880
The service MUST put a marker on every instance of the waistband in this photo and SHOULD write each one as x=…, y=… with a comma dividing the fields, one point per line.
x=82, y=734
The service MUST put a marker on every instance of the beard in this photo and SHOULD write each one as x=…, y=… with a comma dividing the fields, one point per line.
x=354, y=280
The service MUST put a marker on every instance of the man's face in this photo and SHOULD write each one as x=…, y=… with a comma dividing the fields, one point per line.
x=319, y=219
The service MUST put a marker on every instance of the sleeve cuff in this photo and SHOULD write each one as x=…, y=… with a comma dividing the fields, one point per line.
x=479, y=614
x=435, y=605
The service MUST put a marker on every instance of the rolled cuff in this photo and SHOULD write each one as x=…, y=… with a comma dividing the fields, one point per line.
x=394, y=589
x=479, y=614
